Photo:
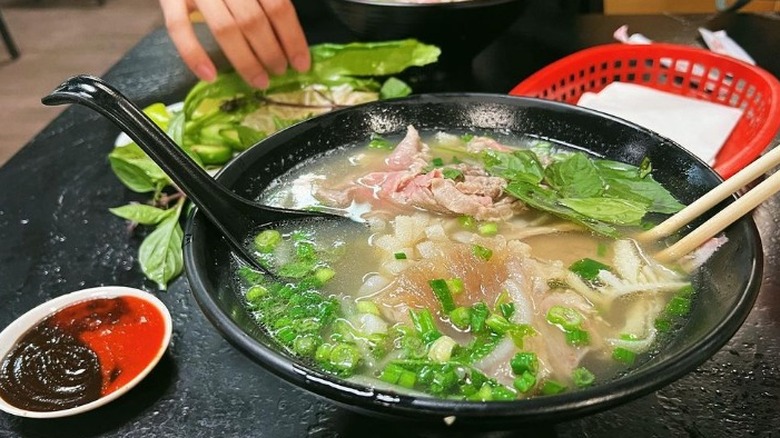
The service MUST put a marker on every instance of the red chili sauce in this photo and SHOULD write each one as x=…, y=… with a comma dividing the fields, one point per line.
x=81, y=353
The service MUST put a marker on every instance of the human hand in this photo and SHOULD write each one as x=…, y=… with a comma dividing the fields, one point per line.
x=258, y=37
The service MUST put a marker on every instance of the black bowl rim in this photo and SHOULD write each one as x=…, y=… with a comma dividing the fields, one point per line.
x=537, y=409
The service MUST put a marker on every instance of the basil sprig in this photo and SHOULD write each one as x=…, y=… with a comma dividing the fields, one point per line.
x=598, y=194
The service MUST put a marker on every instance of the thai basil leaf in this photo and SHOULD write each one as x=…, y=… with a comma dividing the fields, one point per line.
x=646, y=190
x=542, y=149
x=142, y=214
x=610, y=210
x=574, y=176
x=616, y=169
x=160, y=254
x=545, y=199
x=519, y=165
x=635, y=183
x=136, y=170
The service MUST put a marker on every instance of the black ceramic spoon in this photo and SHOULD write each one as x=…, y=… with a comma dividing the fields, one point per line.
x=238, y=219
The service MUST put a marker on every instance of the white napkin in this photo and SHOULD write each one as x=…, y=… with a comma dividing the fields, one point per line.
x=720, y=42
x=699, y=126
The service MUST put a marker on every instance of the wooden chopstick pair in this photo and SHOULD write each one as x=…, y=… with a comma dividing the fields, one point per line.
x=742, y=206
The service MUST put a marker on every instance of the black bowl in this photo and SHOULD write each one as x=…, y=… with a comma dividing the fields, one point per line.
x=727, y=284
x=461, y=29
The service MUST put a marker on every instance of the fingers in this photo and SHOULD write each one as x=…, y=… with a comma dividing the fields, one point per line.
x=177, y=21
x=257, y=36
x=289, y=32
x=233, y=42
x=259, y=33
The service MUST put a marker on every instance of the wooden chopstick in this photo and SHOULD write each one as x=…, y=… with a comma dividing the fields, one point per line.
x=744, y=205
x=714, y=196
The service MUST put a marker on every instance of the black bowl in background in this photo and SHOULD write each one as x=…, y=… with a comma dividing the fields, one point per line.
x=727, y=285
x=461, y=29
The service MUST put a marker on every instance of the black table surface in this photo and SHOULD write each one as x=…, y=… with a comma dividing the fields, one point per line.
x=56, y=236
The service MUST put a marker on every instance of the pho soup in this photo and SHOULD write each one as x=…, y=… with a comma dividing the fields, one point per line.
x=490, y=268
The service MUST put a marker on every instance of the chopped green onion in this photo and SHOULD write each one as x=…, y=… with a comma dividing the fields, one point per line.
x=485, y=393
x=256, y=292
x=391, y=373
x=577, y=337
x=444, y=379
x=324, y=274
x=461, y=318
x=467, y=222
x=624, y=355
x=267, y=240
x=379, y=142
x=588, y=269
x=443, y=294
x=507, y=309
x=488, y=229
x=285, y=335
x=397, y=375
x=550, y=387
x=455, y=285
x=407, y=379
x=305, y=345
x=663, y=324
x=518, y=333
x=364, y=306
x=501, y=392
x=425, y=325
x=498, y=324
x=450, y=173
x=344, y=357
x=482, y=252
x=524, y=382
x=441, y=349
x=565, y=317
x=678, y=306
x=305, y=251
x=296, y=269
x=582, y=377
x=525, y=362
x=686, y=291
x=479, y=314
x=437, y=162
x=400, y=256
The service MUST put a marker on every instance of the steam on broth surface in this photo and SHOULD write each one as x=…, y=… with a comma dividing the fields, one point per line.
x=486, y=271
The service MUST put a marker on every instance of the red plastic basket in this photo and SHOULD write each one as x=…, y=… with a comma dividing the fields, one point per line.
x=683, y=70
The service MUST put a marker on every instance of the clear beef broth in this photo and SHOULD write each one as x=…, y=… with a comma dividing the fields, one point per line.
x=508, y=302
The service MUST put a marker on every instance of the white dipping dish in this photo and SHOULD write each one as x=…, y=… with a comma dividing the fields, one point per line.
x=12, y=334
